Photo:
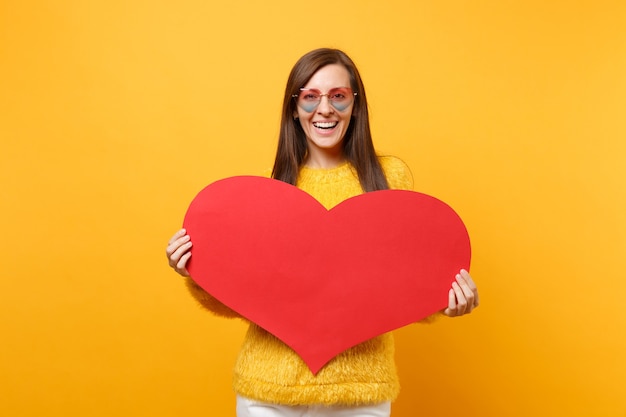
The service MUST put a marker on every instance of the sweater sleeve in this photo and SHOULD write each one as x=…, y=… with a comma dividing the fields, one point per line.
x=209, y=302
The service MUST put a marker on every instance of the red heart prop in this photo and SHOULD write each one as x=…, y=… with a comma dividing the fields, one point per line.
x=322, y=280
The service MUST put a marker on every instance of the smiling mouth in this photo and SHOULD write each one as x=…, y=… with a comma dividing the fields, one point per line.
x=325, y=125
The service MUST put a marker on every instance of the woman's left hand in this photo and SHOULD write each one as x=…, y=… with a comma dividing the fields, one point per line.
x=463, y=296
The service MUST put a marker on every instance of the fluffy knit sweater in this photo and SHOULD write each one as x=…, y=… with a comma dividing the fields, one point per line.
x=270, y=371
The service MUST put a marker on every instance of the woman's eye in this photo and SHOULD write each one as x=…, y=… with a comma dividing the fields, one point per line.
x=309, y=97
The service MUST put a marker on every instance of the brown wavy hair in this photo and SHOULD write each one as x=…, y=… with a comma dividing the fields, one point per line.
x=358, y=148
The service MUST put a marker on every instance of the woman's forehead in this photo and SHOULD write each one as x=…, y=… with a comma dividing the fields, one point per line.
x=329, y=76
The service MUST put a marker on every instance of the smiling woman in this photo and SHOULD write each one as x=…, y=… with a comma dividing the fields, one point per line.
x=325, y=149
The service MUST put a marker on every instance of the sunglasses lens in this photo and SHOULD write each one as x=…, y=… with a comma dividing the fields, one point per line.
x=309, y=99
x=340, y=98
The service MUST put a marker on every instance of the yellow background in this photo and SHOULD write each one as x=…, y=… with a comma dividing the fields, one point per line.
x=114, y=114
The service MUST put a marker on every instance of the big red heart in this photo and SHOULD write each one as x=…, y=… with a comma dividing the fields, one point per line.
x=322, y=280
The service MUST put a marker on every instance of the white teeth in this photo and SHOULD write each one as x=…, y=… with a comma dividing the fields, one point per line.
x=325, y=125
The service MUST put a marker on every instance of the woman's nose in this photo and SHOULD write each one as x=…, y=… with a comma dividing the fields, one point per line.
x=325, y=107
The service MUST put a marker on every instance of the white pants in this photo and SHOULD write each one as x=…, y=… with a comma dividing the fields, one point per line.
x=251, y=408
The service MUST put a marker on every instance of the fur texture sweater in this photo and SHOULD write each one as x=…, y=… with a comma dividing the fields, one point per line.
x=268, y=370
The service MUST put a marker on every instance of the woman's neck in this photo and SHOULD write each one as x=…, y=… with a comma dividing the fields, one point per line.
x=324, y=160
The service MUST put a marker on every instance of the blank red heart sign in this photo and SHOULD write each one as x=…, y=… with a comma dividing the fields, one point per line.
x=323, y=280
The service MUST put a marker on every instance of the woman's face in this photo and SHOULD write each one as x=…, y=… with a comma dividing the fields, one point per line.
x=326, y=123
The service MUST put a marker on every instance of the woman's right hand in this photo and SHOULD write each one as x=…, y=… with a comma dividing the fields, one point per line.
x=178, y=252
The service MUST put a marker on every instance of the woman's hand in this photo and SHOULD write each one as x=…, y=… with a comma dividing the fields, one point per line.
x=178, y=252
x=463, y=296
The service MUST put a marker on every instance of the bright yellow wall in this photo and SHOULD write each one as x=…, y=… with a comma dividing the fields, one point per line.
x=114, y=114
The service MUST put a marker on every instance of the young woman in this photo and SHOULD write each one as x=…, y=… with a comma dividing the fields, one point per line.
x=325, y=148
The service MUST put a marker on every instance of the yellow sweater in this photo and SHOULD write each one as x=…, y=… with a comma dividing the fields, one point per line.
x=268, y=370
